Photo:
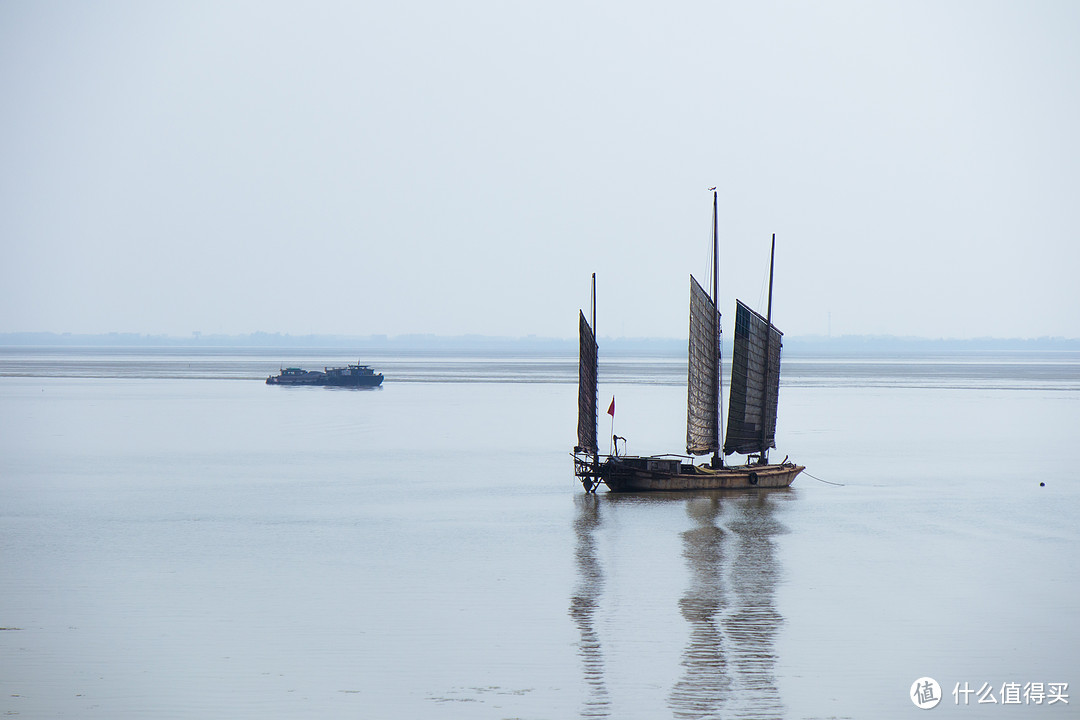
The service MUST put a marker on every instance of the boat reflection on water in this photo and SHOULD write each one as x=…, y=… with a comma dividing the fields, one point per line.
x=728, y=663
x=752, y=621
x=705, y=683
x=584, y=602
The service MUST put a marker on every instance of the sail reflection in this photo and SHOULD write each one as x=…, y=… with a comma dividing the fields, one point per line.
x=729, y=660
x=583, y=604
x=753, y=622
x=705, y=684
x=728, y=665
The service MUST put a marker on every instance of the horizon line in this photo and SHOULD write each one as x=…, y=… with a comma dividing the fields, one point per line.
x=31, y=338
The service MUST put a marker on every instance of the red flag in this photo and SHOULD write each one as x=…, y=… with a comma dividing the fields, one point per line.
x=611, y=408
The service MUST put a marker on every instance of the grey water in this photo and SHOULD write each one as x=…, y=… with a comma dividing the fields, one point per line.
x=180, y=540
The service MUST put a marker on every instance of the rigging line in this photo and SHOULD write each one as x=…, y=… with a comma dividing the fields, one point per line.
x=709, y=261
x=827, y=482
x=764, y=287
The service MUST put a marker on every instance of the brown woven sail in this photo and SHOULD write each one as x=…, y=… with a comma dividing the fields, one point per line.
x=586, y=428
x=702, y=413
x=755, y=384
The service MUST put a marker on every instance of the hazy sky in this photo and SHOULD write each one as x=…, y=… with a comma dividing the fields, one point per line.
x=462, y=167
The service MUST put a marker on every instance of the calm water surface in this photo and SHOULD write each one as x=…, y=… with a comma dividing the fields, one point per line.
x=179, y=540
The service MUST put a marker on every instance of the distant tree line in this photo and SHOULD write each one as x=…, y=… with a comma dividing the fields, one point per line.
x=805, y=345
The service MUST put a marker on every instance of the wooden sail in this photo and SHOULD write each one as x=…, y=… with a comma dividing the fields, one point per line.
x=755, y=384
x=587, y=369
x=702, y=411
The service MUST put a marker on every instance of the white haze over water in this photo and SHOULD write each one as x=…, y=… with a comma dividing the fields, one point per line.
x=451, y=168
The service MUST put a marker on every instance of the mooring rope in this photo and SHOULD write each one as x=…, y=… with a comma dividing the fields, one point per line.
x=827, y=482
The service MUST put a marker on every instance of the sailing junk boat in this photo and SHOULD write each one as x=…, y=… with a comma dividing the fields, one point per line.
x=751, y=427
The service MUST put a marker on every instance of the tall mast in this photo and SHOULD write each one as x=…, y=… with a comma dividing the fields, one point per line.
x=596, y=384
x=768, y=338
x=593, y=318
x=717, y=458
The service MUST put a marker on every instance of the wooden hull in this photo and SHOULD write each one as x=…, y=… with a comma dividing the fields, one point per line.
x=646, y=475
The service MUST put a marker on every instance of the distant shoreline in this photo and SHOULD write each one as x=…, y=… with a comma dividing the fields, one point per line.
x=805, y=345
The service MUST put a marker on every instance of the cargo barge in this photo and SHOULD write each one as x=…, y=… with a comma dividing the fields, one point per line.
x=348, y=376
